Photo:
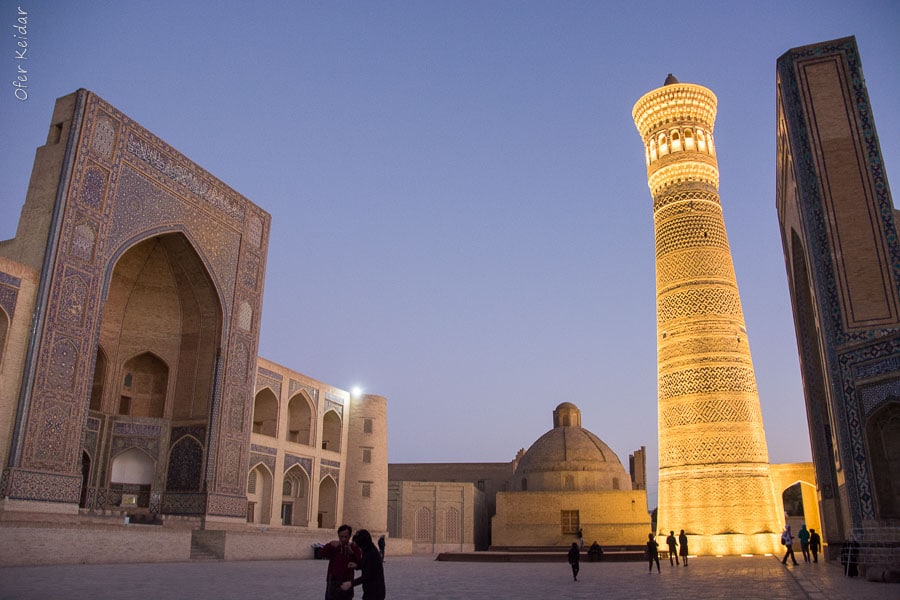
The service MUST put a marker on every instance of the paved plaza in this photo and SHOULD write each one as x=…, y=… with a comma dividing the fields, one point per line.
x=415, y=577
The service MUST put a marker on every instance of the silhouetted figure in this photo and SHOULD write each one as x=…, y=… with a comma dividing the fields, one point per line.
x=652, y=553
x=580, y=539
x=788, y=540
x=673, y=549
x=803, y=536
x=815, y=543
x=683, y=547
x=381, y=547
x=574, y=558
x=372, y=576
x=595, y=552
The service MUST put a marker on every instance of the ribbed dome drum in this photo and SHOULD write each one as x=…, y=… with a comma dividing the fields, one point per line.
x=570, y=458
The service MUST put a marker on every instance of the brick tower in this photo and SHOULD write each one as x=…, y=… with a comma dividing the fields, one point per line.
x=713, y=460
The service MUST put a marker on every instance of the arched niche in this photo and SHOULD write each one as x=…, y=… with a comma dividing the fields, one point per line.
x=265, y=413
x=161, y=302
x=331, y=431
x=883, y=442
x=300, y=419
x=185, y=469
x=144, y=386
x=259, y=495
x=295, y=496
x=327, y=510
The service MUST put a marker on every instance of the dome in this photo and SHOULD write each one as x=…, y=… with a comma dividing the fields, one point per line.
x=570, y=458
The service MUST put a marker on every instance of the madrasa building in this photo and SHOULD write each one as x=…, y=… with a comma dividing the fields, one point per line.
x=137, y=422
x=842, y=255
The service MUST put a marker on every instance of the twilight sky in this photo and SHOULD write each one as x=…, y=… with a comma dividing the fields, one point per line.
x=460, y=213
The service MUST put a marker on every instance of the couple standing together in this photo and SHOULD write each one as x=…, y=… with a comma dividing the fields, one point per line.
x=344, y=557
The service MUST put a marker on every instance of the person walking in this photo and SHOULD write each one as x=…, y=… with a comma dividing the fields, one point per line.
x=683, y=547
x=673, y=549
x=574, y=560
x=815, y=542
x=340, y=554
x=788, y=540
x=803, y=536
x=652, y=554
x=372, y=576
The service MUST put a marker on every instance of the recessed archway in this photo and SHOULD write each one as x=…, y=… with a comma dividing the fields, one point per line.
x=259, y=495
x=265, y=413
x=331, y=431
x=327, y=518
x=300, y=419
x=295, y=497
x=160, y=333
x=883, y=441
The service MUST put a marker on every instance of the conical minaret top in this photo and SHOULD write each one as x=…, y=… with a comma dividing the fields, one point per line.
x=678, y=118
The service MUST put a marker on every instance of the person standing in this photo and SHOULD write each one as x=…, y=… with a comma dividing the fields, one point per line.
x=683, y=547
x=788, y=540
x=381, y=547
x=574, y=560
x=815, y=542
x=652, y=554
x=673, y=549
x=580, y=539
x=803, y=536
x=340, y=554
x=372, y=576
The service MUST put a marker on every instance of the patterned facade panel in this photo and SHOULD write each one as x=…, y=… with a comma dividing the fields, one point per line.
x=227, y=506
x=295, y=386
x=9, y=293
x=196, y=431
x=305, y=463
x=707, y=380
x=332, y=472
x=687, y=231
x=41, y=486
x=708, y=410
x=698, y=300
x=711, y=445
x=266, y=459
x=142, y=208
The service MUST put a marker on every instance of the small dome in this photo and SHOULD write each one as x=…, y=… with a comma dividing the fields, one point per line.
x=670, y=80
x=570, y=458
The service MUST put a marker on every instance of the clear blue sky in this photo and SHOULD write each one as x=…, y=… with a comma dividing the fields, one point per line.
x=461, y=220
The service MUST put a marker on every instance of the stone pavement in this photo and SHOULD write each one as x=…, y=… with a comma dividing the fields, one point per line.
x=416, y=577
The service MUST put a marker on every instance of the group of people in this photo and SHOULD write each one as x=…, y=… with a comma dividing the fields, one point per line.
x=346, y=556
x=677, y=548
x=810, y=543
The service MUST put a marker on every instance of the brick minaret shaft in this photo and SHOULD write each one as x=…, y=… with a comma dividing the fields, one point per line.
x=713, y=461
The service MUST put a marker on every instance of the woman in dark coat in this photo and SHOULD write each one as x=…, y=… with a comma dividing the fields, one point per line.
x=372, y=576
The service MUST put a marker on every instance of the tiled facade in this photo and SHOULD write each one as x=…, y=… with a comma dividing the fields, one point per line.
x=139, y=390
x=842, y=257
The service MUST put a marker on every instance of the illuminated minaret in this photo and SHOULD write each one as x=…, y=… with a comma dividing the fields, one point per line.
x=713, y=461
